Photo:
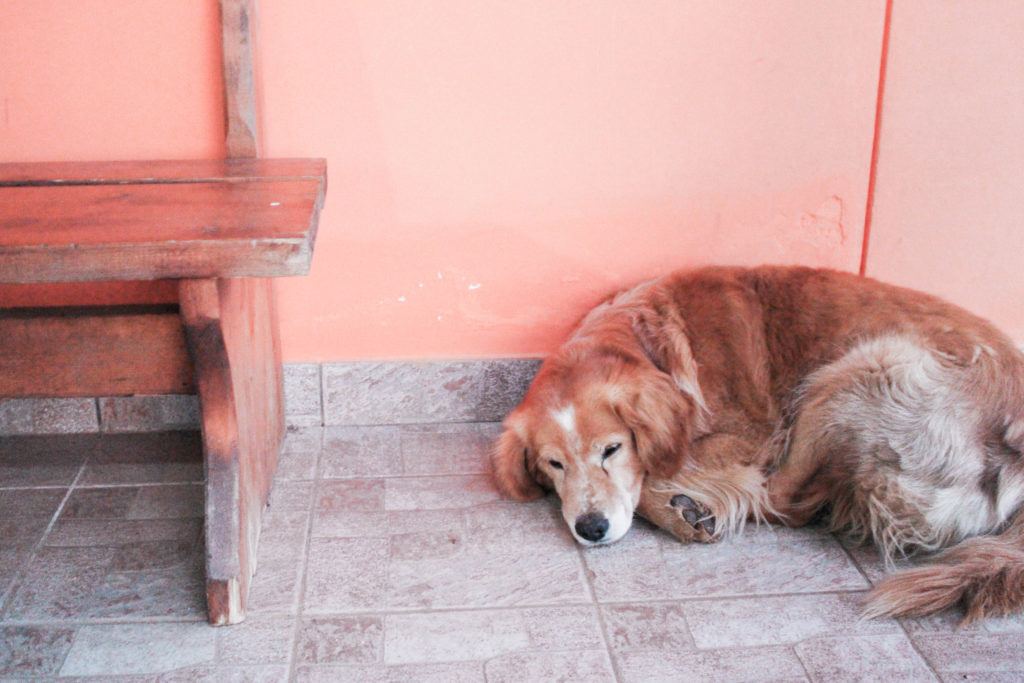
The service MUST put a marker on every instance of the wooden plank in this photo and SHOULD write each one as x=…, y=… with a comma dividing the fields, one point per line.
x=232, y=335
x=65, y=294
x=64, y=173
x=237, y=19
x=157, y=231
x=93, y=352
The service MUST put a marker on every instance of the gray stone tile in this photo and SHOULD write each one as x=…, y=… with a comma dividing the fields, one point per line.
x=29, y=503
x=124, y=649
x=173, y=501
x=779, y=620
x=177, y=591
x=974, y=654
x=30, y=651
x=300, y=454
x=302, y=394
x=257, y=640
x=458, y=448
x=148, y=413
x=863, y=658
x=145, y=458
x=415, y=392
x=648, y=626
x=99, y=503
x=588, y=665
x=44, y=460
x=340, y=640
x=485, y=634
x=650, y=565
x=97, y=532
x=47, y=416
x=22, y=532
x=223, y=674
x=493, y=561
x=448, y=672
x=349, y=508
x=59, y=583
x=275, y=587
x=361, y=452
x=439, y=493
x=727, y=666
x=345, y=575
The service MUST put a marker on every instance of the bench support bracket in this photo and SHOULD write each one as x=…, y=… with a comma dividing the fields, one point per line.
x=232, y=336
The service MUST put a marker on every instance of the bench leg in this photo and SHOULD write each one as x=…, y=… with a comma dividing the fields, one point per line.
x=231, y=330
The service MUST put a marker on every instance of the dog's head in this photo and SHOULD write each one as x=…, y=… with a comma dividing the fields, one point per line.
x=592, y=429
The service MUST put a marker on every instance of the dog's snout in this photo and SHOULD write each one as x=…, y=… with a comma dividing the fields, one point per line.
x=592, y=526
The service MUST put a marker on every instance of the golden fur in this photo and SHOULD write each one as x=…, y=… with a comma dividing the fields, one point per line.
x=709, y=398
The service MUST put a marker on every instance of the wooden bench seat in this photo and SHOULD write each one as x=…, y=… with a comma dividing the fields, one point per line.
x=221, y=229
x=179, y=219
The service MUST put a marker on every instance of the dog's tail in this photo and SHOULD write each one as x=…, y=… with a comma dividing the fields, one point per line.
x=984, y=575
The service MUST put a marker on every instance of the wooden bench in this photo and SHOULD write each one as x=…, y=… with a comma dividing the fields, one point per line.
x=221, y=229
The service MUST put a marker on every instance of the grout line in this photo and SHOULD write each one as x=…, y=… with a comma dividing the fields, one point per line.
x=15, y=585
x=601, y=623
x=876, y=136
x=902, y=625
x=293, y=659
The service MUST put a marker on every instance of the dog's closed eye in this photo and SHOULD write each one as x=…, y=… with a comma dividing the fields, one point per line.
x=554, y=463
x=610, y=450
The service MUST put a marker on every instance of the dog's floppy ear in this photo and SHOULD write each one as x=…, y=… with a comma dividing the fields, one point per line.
x=511, y=467
x=661, y=419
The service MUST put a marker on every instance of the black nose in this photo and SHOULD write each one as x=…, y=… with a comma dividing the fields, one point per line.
x=591, y=526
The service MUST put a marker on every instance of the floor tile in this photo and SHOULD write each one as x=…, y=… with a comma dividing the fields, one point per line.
x=863, y=658
x=592, y=666
x=779, y=620
x=51, y=460
x=346, y=574
x=651, y=626
x=361, y=452
x=485, y=634
x=449, y=672
x=223, y=674
x=971, y=654
x=95, y=532
x=340, y=640
x=133, y=580
x=460, y=448
x=439, y=493
x=650, y=565
x=725, y=666
x=145, y=458
x=29, y=503
x=300, y=453
x=117, y=649
x=30, y=651
x=257, y=640
x=59, y=583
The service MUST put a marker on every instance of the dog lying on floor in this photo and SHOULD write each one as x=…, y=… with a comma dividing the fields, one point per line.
x=709, y=398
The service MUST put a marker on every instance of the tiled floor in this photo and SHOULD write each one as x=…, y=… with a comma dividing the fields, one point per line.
x=388, y=556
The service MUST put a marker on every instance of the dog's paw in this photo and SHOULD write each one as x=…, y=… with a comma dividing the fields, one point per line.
x=696, y=515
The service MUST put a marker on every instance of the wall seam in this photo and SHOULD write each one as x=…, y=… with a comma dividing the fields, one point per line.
x=869, y=204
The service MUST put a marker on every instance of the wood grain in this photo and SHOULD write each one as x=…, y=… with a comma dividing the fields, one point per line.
x=64, y=173
x=93, y=352
x=157, y=231
x=232, y=335
x=237, y=19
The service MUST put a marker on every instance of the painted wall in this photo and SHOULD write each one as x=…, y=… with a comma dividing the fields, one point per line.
x=949, y=203
x=496, y=167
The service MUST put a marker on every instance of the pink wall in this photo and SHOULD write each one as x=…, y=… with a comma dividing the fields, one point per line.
x=496, y=167
x=948, y=215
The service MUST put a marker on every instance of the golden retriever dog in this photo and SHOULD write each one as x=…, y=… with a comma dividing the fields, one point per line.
x=710, y=398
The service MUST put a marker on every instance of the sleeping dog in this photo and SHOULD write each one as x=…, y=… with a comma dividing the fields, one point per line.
x=710, y=398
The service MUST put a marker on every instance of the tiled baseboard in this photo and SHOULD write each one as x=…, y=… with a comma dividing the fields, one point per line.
x=351, y=393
